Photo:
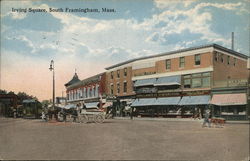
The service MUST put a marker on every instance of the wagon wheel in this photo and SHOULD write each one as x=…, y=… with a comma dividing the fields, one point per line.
x=83, y=119
x=99, y=118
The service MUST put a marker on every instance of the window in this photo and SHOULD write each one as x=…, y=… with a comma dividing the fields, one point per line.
x=216, y=56
x=228, y=60
x=197, y=60
x=206, y=82
x=112, y=75
x=221, y=58
x=187, y=83
x=125, y=72
x=235, y=61
x=196, y=82
x=168, y=64
x=118, y=88
x=111, y=89
x=118, y=73
x=124, y=87
x=181, y=62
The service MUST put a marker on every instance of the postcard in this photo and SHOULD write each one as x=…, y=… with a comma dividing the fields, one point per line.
x=124, y=80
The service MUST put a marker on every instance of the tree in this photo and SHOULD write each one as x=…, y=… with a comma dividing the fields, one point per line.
x=11, y=92
x=3, y=91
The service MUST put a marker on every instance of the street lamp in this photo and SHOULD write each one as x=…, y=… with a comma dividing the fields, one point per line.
x=52, y=68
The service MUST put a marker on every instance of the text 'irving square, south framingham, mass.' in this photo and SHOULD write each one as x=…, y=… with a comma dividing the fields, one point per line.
x=83, y=10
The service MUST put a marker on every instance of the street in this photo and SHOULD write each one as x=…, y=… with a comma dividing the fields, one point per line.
x=122, y=140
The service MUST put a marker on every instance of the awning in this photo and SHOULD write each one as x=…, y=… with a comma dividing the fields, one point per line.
x=164, y=81
x=229, y=99
x=168, y=101
x=69, y=106
x=107, y=104
x=144, y=102
x=144, y=82
x=91, y=105
x=195, y=100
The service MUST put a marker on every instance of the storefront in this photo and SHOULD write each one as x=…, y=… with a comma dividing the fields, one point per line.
x=230, y=106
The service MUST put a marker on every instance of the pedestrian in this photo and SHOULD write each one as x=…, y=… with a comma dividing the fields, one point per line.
x=206, y=119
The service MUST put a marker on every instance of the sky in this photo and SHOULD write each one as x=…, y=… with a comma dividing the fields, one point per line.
x=89, y=42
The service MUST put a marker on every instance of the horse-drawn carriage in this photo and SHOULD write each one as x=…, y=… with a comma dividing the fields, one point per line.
x=76, y=113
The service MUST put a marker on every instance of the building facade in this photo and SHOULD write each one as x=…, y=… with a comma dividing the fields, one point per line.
x=184, y=83
x=88, y=92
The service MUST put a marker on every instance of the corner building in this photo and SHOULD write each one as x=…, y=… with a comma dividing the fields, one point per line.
x=89, y=92
x=182, y=83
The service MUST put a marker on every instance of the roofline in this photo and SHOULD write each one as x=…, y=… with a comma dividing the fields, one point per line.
x=81, y=81
x=178, y=51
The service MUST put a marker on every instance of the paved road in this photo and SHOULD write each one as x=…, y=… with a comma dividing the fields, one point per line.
x=122, y=140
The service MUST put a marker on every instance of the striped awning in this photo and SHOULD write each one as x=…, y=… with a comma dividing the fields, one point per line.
x=91, y=105
x=164, y=81
x=229, y=99
x=168, y=101
x=195, y=100
x=144, y=82
x=144, y=102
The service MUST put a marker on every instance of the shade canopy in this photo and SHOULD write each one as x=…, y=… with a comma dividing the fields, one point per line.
x=91, y=105
x=144, y=102
x=144, y=82
x=168, y=101
x=195, y=100
x=229, y=99
x=164, y=81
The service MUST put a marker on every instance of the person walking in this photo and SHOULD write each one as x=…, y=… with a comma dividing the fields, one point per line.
x=206, y=119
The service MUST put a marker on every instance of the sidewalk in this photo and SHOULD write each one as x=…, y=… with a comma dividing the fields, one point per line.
x=178, y=119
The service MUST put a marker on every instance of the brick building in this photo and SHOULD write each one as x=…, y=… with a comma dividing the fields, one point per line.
x=89, y=91
x=183, y=83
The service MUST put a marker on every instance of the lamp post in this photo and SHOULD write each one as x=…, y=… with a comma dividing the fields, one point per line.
x=52, y=68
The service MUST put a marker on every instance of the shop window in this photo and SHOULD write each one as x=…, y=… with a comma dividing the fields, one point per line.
x=197, y=60
x=168, y=64
x=187, y=83
x=112, y=75
x=124, y=87
x=125, y=72
x=228, y=60
x=118, y=88
x=206, y=82
x=182, y=62
x=196, y=82
x=118, y=73
x=235, y=61
x=111, y=89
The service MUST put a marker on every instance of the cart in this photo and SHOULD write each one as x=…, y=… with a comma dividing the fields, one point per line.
x=91, y=115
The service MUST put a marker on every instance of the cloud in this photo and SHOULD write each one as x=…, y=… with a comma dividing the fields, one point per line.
x=172, y=3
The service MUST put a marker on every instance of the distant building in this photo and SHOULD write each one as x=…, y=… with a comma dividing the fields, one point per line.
x=90, y=91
